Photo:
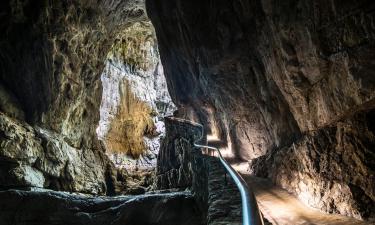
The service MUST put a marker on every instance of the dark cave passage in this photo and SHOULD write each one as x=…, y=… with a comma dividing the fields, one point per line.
x=101, y=104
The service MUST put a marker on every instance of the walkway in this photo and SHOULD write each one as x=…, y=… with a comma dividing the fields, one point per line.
x=281, y=208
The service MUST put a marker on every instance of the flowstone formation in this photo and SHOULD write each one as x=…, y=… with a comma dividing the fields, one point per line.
x=280, y=82
x=135, y=100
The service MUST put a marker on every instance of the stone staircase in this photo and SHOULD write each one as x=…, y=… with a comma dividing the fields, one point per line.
x=224, y=200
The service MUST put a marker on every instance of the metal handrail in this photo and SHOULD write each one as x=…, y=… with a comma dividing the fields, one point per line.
x=250, y=211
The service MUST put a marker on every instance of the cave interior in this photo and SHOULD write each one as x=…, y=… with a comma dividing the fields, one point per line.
x=152, y=112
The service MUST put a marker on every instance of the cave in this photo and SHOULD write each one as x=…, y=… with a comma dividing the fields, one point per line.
x=194, y=112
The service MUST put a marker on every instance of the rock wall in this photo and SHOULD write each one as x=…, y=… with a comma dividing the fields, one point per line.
x=52, y=54
x=211, y=68
x=135, y=99
x=36, y=157
x=177, y=155
x=331, y=169
x=264, y=74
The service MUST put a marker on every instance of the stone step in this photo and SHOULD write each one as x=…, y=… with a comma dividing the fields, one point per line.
x=224, y=200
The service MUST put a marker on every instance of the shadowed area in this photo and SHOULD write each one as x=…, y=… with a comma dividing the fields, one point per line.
x=26, y=207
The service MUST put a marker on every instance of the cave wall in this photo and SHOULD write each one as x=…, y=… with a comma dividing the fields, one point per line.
x=52, y=54
x=135, y=99
x=177, y=158
x=212, y=68
x=268, y=74
x=331, y=169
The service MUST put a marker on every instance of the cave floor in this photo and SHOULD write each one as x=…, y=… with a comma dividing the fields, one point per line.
x=19, y=207
x=281, y=208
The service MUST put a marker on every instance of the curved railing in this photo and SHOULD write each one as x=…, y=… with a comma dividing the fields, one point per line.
x=250, y=211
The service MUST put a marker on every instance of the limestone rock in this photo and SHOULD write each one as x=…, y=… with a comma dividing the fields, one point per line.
x=71, y=169
x=19, y=149
x=331, y=169
x=48, y=207
x=35, y=157
x=174, y=165
x=135, y=100
x=264, y=74
x=52, y=56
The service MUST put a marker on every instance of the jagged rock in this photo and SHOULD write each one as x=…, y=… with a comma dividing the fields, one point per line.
x=135, y=100
x=47, y=207
x=52, y=56
x=19, y=149
x=331, y=169
x=39, y=158
x=174, y=168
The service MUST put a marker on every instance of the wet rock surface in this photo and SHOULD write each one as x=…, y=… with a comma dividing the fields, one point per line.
x=57, y=208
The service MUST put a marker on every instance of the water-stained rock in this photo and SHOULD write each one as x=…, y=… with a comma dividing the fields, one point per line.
x=135, y=99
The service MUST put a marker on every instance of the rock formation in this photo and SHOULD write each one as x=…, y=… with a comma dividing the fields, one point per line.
x=52, y=56
x=36, y=157
x=330, y=169
x=279, y=81
x=23, y=207
x=288, y=85
x=135, y=99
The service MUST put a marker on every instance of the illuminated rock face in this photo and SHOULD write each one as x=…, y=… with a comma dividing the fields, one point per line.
x=330, y=169
x=52, y=57
x=263, y=75
x=36, y=157
x=135, y=100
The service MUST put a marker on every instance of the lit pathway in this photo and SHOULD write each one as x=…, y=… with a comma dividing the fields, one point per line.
x=281, y=208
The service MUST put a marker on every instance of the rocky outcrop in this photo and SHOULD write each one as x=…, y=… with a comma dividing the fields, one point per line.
x=52, y=54
x=35, y=157
x=331, y=169
x=135, y=100
x=177, y=155
x=52, y=58
x=47, y=207
x=264, y=74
